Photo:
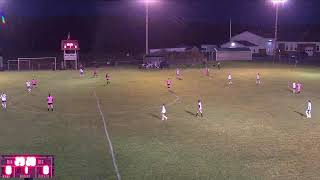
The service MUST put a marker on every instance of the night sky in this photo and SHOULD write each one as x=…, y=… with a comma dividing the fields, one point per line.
x=119, y=25
x=212, y=11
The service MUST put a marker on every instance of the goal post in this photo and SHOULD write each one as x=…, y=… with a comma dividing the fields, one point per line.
x=37, y=63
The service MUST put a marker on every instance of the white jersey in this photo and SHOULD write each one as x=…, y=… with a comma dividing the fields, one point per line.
x=229, y=77
x=294, y=85
x=178, y=72
x=3, y=97
x=258, y=77
x=309, y=106
x=163, y=110
x=81, y=70
x=28, y=84
x=200, y=106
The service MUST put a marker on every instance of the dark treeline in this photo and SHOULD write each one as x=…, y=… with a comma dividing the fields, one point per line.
x=120, y=35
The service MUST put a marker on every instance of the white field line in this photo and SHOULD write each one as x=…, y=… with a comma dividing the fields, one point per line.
x=175, y=101
x=114, y=161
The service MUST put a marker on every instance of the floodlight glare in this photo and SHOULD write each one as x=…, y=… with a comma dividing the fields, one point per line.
x=279, y=1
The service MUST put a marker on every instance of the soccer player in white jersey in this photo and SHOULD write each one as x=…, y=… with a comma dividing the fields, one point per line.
x=229, y=79
x=163, y=113
x=178, y=74
x=309, y=108
x=258, y=81
x=294, y=86
x=81, y=72
x=28, y=85
x=3, y=97
x=199, y=108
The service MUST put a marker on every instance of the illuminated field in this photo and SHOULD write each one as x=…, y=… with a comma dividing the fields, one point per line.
x=248, y=132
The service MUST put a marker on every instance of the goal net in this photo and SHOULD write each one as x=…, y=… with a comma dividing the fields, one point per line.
x=41, y=63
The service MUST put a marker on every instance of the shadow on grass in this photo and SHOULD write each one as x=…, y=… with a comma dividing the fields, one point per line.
x=288, y=89
x=301, y=114
x=154, y=116
x=191, y=113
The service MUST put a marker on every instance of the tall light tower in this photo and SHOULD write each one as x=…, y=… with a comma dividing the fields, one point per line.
x=277, y=3
x=147, y=3
x=147, y=26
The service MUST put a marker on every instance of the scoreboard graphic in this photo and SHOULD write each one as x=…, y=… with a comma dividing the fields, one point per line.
x=27, y=166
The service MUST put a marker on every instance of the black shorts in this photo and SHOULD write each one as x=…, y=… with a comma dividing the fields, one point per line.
x=50, y=104
x=4, y=101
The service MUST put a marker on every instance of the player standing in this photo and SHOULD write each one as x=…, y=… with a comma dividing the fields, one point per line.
x=199, y=108
x=95, y=72
x=178, y=74
x=50, y=102
x=169, y=83
x=81, y=72
x=28, y=85
x=309, y=108
x=229, y=79
x=108, y=78
x=3, y=97
x=206, y=71
x=294, y=86
x=163, y=113
x=258, y=81
x=219, y=65
x=34, y=83
x=299, y=87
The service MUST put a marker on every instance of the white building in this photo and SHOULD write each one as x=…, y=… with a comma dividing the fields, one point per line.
x=291, y=47
x=264, y=44
x=256, y=43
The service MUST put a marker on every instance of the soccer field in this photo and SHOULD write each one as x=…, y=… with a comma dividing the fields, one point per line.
x=247, y=132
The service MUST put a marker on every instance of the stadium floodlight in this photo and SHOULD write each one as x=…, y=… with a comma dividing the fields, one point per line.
x=277, y=3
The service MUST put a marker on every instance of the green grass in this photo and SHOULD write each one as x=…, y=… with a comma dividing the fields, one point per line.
x=248, y=132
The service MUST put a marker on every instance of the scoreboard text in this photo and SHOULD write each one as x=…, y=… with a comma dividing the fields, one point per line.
x=27, y=166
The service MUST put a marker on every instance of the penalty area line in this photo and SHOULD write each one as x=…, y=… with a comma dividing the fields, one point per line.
x=114, y=160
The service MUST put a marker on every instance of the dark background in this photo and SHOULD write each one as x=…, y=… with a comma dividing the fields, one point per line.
x=115, y=26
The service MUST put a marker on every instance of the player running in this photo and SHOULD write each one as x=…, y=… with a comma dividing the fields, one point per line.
x=163, y=113
x=108, y=78
x=229, y=79
x=28, y=85
x=3, y=97
x=169, y=83
x=34, y=83
x=309, y=108
x=50, y=102
x=199, y=108
x=258, y=81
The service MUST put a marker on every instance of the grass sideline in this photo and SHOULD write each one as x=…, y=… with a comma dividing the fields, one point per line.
x=248, y=132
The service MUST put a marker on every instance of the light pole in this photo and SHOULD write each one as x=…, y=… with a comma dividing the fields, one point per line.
x=147, y=27
x=276, y=3
x=147, y=3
